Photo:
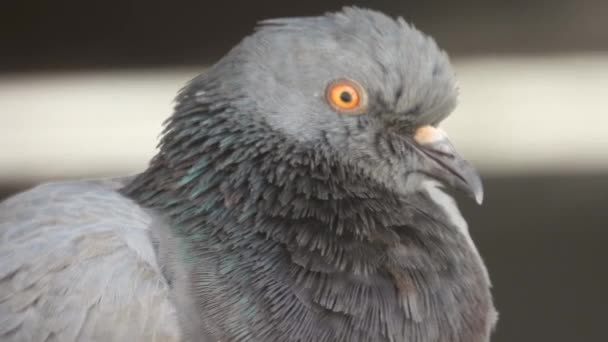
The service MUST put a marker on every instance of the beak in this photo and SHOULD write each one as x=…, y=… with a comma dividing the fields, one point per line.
x=441, y=161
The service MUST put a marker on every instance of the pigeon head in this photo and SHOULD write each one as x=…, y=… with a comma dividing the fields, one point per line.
x=356, y=83
x=290, y=180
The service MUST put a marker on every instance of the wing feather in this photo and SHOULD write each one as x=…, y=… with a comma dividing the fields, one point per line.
x=77, y=264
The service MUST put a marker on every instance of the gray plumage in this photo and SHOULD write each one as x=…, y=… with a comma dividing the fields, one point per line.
x=267, y=215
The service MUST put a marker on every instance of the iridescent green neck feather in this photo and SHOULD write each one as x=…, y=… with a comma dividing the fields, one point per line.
x=286, y=241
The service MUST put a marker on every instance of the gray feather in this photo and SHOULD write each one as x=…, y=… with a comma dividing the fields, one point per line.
x=78, y=265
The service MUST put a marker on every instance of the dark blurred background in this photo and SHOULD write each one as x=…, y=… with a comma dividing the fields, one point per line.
x=84, y=87
x=71, y=34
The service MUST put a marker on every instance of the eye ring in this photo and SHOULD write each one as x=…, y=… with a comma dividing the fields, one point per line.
x=346, y=96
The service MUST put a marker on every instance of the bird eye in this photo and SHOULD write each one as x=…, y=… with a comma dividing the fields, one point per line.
x=346, y=96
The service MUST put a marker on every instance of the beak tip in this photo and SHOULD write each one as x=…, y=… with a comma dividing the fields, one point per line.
x=475, y=185
x=472, y=183
x=479, y=197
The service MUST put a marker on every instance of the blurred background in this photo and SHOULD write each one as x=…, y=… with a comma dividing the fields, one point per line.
x=85, y=86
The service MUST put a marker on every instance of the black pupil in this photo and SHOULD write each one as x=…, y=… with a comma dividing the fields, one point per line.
x=346, y=96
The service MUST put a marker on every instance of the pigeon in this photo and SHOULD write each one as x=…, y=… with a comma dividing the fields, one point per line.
x=300, y=192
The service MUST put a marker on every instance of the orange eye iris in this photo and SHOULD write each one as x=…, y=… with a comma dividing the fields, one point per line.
x=345, y=96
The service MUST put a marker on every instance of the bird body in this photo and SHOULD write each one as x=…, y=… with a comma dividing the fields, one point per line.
x=78, y=264
x=295, y=197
